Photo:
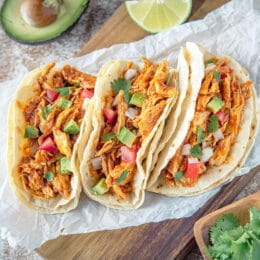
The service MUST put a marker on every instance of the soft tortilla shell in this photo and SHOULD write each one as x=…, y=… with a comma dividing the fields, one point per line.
x=27, y=90
x=107, y=74
x=239, y=152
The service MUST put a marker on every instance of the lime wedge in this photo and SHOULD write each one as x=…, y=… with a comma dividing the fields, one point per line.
x=158, y=15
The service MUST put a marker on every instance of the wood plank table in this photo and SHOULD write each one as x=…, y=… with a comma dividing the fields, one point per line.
x=170, y=239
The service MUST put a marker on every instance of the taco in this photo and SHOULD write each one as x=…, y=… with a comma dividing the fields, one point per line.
x=44, y=124
x=130, y=104
x=216, y=131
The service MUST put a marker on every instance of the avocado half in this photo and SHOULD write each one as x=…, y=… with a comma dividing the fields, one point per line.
x=17, y=28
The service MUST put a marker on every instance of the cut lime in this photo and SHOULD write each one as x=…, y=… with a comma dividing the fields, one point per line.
x=158, y=15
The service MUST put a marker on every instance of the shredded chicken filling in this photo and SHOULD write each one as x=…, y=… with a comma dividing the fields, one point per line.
x=42, y=169
x=214, y=128
x=118, y=158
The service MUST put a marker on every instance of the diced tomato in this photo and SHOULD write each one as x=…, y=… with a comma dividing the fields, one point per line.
x=52, y=95
x=192, y=170
x=129, y=154
x=48, y=145
x=225, y=69
x=221, y=117
x=223, y=75
x=86, y=93
x=110, y=115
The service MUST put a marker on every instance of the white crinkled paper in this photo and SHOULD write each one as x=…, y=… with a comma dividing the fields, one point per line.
x=234, y=30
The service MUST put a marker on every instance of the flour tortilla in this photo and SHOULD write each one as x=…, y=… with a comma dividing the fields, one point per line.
x=107, y=74
x=16, y=123
x=239, y=152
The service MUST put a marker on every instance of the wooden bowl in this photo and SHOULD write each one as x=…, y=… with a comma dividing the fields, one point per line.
x=239, y=208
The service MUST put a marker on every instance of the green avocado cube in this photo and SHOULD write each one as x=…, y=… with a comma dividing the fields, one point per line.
x=31, y=132
x=215, y=104
x=71, y=127
x=65, y=165
x=137, y=99
x=100, y=187
x=126, y=137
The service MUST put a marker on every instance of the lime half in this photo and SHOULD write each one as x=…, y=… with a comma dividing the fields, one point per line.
x=158, y=15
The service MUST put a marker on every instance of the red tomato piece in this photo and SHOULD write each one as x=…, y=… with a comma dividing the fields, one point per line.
x=52, y=95
x=221, y=117
x=48, y=145
x=192, y=170
x=110, y=115
x=129, y=154
x=86, y=93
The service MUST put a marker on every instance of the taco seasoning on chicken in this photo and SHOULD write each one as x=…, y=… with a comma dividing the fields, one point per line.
x=48, y=110
x=131, y=104
x=220, y=134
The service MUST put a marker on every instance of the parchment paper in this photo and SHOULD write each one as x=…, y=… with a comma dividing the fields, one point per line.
x=232, y=30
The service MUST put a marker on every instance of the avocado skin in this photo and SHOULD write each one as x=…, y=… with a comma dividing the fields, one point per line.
x=68, y=29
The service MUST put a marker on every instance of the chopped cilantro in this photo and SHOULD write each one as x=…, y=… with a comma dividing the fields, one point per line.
x=213, y=124
x=200, y=135
x=178, y=175
x=196, y=151
x=63, y=91
x=49, y=176
x=107, y=137
x=217, y=76
x=231, y=241
x=122, y=177
x=46, y=111
x=122, y=84
x=209, y=62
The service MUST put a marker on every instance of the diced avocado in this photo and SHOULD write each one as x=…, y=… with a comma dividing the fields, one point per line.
x=46, y=111
x=71, y=127
x=64, y=103
x=31, y=132
x=137, y=99
x=65, y=165
x=126, y=137
x=215, y=104
x=16, y=27
x=100, y=187
x=63, y=91
x=107, y=137
x=49, y=176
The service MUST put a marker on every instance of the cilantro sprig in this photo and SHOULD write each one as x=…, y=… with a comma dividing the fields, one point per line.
x=231, y=241
x=122, y=84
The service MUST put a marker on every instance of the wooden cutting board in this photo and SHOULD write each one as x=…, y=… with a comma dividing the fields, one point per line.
x=170, y=239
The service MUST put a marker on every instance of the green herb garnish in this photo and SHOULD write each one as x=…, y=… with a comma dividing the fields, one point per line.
x=49, y=176
x=196, y=151
x=209, y=62
x=122, y=177
x=200, y=135
x=231, y=241
x=122, y=84
x=107, y=137
x=46, y=111
x=213, y=124
x=217, y=76
x=178, y=175
x=63, y=91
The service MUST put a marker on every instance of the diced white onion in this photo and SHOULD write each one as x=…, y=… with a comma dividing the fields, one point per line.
x=218, y=135
x=130, y=74
x=186, y=149
x=97, y=163
x=192, y=160
x=210, y=66
x=131, y=112
x=115, y=101
x=207, y=153
x=85, y=102
x=205, y=144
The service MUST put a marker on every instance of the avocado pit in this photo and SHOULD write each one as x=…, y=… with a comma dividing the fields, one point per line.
x=40, y=13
